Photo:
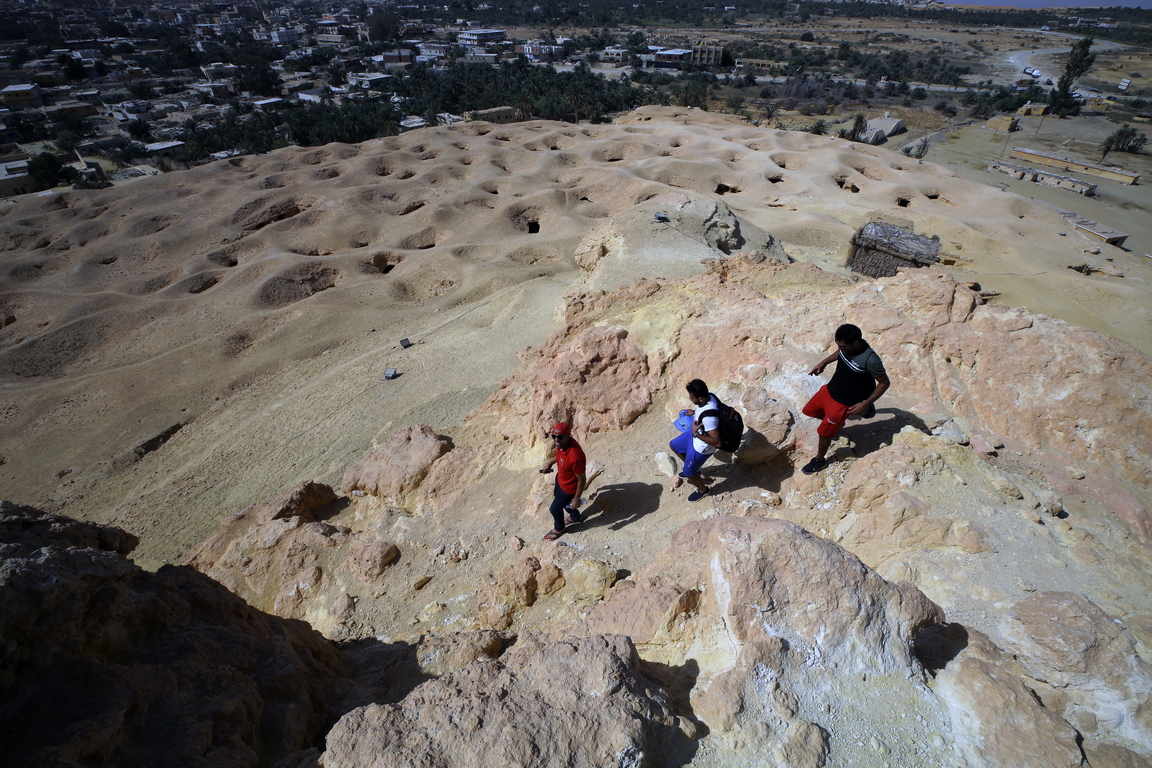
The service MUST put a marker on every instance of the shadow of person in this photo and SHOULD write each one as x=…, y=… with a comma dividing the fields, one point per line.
x=724, y=472
x=869, y=435
x=619, y=504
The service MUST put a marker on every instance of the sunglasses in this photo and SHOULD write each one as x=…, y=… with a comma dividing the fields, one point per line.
x=557, y=437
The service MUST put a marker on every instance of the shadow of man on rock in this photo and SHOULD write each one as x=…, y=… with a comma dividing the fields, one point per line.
x=620, y=504
x=869, y=435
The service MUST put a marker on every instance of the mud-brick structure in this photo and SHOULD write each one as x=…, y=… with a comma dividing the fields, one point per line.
x=1043, y=177
x=880, y=249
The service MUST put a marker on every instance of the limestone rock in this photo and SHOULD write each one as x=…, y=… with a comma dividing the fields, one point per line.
x=106, y=663
x=439, y=656
x=543, y=702
x=280, y=559
x=1066, y=641
x=753, y=579
x=666, y=236
x=395, y=469
x=1112, y=756
x=595, y=379
x=997, y=720
x=590, y=579
x=514, y=587
x=274, y=554
x=768, y=423
x=549, y=579
x=367, y=560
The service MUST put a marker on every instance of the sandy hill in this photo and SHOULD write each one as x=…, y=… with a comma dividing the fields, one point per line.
x=186, y=348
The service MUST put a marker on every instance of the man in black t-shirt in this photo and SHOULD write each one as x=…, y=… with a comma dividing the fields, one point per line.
x=858, y=382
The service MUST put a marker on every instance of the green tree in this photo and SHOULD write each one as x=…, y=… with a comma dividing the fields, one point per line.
x=46, y=170
x=66, y=140
x=856, y=132
x=142, y=91
x=1079, y=60
x=258, y=78
x=384, y=26
x=1125, y=139
x=139, y=130
x=819, y=128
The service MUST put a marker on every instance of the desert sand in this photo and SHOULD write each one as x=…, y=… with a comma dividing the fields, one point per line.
x=179, y=350
x=258, y=301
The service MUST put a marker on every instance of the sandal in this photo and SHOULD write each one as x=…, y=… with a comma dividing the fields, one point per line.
x=553, y=535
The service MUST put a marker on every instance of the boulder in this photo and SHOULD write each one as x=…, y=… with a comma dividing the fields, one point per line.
x=769, y=426
x=107, y=664
x=996, y=719
x=1064, y=640
x=394, y=470
x=280, y=559
x=592, y=378
x=544, y=701
x=751, y=579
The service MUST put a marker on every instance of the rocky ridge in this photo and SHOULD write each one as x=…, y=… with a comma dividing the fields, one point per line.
x=966, y=584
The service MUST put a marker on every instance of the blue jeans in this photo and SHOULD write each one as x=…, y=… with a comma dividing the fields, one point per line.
x=683, y=445
x=560, y=501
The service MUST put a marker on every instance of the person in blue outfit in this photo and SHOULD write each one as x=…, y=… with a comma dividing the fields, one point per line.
x=695, y=444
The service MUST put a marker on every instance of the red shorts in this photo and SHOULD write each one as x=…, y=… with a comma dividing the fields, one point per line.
x=831, y=412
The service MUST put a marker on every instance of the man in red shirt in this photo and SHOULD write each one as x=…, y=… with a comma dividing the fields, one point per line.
x=570, y=480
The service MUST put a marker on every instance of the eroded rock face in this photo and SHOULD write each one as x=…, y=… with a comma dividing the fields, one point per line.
x=543, y=702
x=996, y=719
x=279, y=558
x=393, y=471
x=773, y=629
x=753, y=579
x=106, y=664
x=667, y=235
x=753, y=330
x=1090, y=663
x=595, y=379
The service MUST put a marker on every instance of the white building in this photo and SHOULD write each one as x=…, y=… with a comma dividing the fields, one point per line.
x=481, y=36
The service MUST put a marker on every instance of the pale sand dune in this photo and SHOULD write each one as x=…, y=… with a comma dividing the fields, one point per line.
x=257, y=301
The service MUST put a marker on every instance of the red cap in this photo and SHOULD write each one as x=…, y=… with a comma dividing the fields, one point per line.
x=561, y=428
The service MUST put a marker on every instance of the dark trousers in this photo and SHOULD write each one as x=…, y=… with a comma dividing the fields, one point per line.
x=560, y=500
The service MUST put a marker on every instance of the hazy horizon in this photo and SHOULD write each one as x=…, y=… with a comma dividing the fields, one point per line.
x=1040, y=4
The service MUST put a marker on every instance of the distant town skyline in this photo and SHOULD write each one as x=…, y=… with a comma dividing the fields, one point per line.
x=1038, y=4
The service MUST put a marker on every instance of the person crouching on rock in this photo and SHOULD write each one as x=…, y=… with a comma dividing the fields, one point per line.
x=696, y=444
x=571, y=480
x=858, y=382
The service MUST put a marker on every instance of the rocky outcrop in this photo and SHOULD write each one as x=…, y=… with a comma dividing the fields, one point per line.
x=281, y=559
x=667, y=235
x=393, y=471
x=1086, y=664
x=106, y=664
x=752, y=329
x=728, y=582
x=543, y=702
x=996, y=718
x=594, y=378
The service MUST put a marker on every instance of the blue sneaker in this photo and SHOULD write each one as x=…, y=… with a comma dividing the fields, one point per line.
x=697, y=495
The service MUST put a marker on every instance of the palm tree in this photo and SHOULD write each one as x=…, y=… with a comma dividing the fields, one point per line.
x=577, y=101
x=916, y=150
x=1124, y=139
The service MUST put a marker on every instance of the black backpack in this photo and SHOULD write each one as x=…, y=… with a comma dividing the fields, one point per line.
x=731, y=425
